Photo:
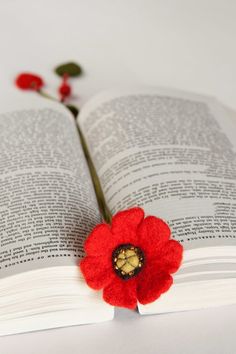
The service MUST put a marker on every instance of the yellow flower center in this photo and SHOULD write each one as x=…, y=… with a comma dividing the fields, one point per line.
x=127, y=260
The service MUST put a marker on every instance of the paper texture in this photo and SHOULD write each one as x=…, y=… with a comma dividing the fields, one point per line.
x=47, y=204
x=171, y=153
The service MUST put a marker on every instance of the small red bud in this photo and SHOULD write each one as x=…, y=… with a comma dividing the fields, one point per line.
x=27, y=81
x=64, y=90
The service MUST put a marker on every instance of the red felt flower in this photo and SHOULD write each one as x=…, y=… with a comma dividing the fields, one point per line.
x=27, y=81
x=131, y=260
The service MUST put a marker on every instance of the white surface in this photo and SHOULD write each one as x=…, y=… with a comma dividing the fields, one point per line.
x=184, y=44
x=196, y=332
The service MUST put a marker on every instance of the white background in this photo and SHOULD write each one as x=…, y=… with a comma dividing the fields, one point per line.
x=183, y=44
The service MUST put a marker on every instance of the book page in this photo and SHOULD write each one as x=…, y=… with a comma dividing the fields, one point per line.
x=47, y=203
x=171, y=153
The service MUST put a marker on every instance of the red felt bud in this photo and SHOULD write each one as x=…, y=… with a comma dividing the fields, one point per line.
x=64, y=90
x=27, y=81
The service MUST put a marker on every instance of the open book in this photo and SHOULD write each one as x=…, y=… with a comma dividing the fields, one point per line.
x=169, y=152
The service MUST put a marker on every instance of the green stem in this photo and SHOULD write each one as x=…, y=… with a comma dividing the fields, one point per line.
x=106, y=213
x=46, y=95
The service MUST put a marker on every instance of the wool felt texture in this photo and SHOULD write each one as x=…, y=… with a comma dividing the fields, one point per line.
x=27, y=81
x=64, y=90
x=162, y=257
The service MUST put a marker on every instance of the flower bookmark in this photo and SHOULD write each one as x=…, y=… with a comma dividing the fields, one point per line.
x=132, y=259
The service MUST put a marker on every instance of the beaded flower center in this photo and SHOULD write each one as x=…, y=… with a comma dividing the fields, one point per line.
x=127, y=260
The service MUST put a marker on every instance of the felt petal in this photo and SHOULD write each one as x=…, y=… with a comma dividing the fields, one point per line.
x=152, y=234
x=151, y=283
x=121, y=293
x=97, y=271
x=125, y=224
x=100, y=241
x=171, y=256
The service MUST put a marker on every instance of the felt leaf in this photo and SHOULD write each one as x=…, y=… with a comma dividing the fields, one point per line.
x=71, y=69
x=74, y=110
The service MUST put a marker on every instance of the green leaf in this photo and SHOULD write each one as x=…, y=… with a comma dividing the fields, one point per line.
x=74, y=110
x=71, y=69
